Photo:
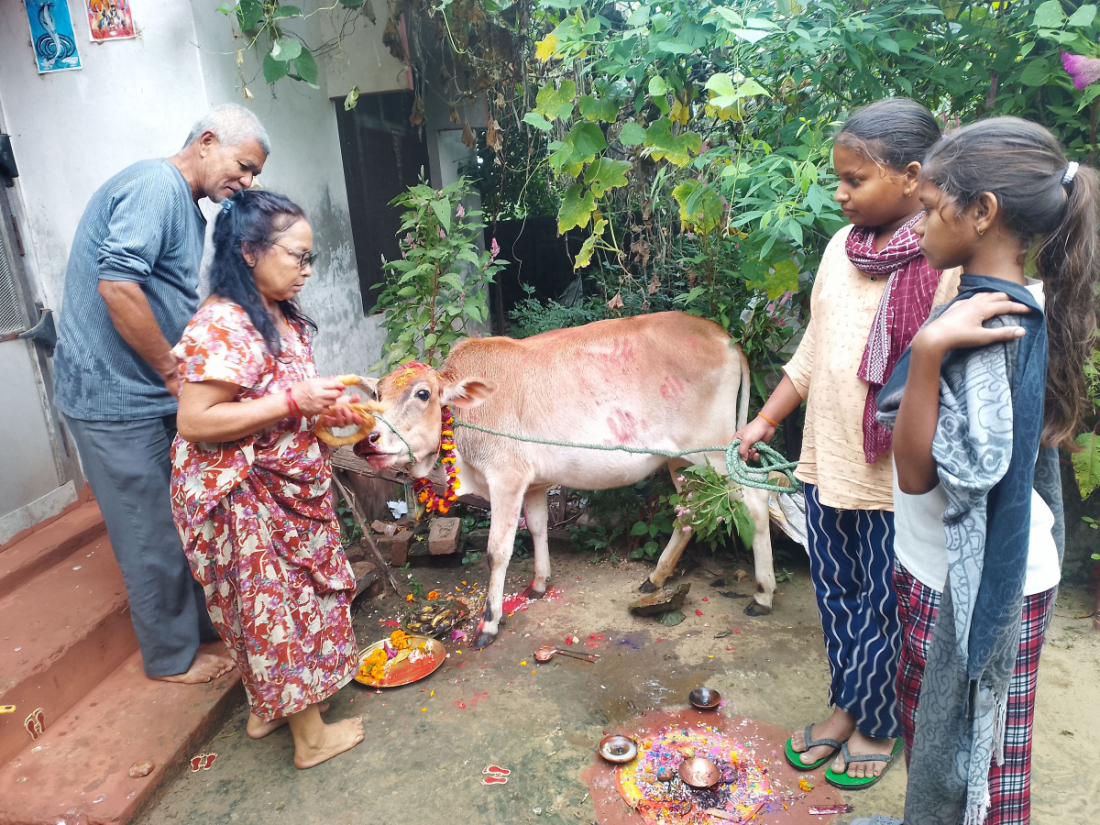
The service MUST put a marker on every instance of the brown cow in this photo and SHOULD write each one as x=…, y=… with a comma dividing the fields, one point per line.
x=668, y=381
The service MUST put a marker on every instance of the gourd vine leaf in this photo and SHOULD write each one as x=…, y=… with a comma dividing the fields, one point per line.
x=249, y=14
x=546, y=48
x=538, y=121
x=632, y=134
x=700, y=205
x=554, y=103
x=274, y=69
x=580, y=146
x=605, y=109
x=306, y=68
x=676, y=149
x=605, y=174
x=1086, y=463
x=584, y=257
x=286, y=11
x=286, y=49
x=776, y=279
x=725, y=94
x=576, y=209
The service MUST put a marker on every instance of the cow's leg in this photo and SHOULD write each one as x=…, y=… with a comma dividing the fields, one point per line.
x=537, y=513
x=681, y=535
x=757, y=503
x=505, y=502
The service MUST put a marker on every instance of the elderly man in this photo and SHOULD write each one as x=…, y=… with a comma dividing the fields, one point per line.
x=130, y=288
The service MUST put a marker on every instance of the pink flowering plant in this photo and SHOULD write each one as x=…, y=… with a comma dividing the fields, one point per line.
x=705, y=507
x=439, y=289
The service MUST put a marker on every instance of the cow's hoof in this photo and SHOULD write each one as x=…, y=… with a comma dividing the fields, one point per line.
x=754, y=608
x=484, y=640
x=647, y=587
x=531, y=593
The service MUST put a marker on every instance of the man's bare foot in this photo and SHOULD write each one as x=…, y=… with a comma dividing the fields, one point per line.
x=337, y=738
x=258, y=729
x=860, y=745
x=205, y=668
x=839, y=726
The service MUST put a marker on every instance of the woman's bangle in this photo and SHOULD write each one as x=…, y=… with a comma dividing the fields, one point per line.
x=292, y=405
x=773, y=423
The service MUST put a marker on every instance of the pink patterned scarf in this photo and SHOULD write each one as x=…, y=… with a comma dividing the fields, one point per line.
x=904, y=306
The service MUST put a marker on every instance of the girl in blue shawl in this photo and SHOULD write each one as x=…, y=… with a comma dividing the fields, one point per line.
x=990, y=388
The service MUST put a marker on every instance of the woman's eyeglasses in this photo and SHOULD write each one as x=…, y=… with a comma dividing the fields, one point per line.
x=304, y=258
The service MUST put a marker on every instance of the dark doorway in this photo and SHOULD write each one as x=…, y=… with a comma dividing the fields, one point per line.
x=383, y=155
x=538, y=258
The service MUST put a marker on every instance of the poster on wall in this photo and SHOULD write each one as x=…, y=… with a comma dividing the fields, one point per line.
x=109, y=19
x=52, y=35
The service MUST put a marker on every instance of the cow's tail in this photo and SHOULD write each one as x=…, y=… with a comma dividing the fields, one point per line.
x=746, y=384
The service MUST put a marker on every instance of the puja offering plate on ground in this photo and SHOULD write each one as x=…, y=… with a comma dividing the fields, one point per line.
x=618, y=748
x=421, y=657
x=699, y=772
x=436, y=617
x=705, y=698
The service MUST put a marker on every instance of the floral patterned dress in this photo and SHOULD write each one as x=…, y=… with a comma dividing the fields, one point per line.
x=258, y=525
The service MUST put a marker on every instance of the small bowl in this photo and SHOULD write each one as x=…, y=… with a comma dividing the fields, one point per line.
x=705, y=698
x=618, y=748
x=699, y=773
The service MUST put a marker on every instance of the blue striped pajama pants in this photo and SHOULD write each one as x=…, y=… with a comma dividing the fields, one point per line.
x=852, y=568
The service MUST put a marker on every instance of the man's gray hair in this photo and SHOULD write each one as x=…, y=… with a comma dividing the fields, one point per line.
x=232, y=125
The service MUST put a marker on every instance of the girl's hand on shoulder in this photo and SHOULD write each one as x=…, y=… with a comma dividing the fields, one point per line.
x=316, y=395
x=961, y=326
x=341, y=416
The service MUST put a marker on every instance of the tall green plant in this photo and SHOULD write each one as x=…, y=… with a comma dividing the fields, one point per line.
x=440, y=285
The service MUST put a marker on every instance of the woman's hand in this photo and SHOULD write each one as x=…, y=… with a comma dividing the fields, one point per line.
x=341, y=416
x=961, y=326
x=315, y=395
x=756, y=430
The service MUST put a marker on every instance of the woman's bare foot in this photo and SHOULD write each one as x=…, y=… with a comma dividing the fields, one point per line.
x=258, y=729
x=206, y=667
x=840, y=726
x=338, y=737
x=316, y=742
x=860, y=745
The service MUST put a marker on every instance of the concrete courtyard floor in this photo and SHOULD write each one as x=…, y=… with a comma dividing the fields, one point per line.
x=428, y=743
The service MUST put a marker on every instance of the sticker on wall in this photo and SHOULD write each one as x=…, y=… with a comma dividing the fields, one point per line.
x=52, y=35
x=109, y=19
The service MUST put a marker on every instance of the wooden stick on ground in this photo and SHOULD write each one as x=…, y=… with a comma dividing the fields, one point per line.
x=354, y=505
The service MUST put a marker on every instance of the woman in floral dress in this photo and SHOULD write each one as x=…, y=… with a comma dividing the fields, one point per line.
x=250, y=480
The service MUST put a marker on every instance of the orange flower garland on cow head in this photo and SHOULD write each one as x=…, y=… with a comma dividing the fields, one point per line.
x=423, y=486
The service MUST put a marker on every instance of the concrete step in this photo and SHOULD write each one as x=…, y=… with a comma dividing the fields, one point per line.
x=61, y=633
x=25, y=559
x=78, y=771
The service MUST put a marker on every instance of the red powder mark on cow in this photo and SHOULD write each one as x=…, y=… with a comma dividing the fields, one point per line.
x=691, y=343
x=672, y=387
x=624, y=429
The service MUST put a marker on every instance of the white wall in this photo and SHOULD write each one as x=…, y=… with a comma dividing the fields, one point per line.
x=133, y=99
x=136, y=99
x=305, y=165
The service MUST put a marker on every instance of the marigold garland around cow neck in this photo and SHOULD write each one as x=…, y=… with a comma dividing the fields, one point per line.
x=425, y=493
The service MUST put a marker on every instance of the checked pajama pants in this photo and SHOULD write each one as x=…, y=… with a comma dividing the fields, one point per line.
x=851, y=565
x=1009, y=784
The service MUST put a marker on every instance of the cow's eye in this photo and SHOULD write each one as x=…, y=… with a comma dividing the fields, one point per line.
x=423, y=395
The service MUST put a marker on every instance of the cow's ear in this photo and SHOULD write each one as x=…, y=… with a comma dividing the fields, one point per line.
x=468, y=393
x=371, y=386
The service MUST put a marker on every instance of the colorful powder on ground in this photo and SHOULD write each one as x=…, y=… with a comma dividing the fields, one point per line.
x=740, y=793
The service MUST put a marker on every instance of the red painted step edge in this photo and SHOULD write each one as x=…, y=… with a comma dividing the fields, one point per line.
x=20, y=561
x=80, y=765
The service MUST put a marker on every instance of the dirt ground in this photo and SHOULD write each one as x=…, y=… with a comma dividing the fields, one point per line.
x=427, y=743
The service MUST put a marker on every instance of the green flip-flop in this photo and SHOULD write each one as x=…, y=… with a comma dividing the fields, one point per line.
x=848, y=783
x=794, y=758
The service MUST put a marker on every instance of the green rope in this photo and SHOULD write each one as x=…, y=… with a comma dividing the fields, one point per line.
x=736, y=468
x=393, y=429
